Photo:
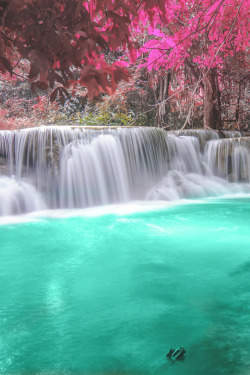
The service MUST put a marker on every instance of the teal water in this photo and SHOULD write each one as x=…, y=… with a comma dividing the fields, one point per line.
x=111, y=294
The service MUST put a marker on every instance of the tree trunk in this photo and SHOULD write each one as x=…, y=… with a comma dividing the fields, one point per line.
x=162, y=103
x=237, y=111
x=212, y=106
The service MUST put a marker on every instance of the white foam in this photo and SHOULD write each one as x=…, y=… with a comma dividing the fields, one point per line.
x=116, y=210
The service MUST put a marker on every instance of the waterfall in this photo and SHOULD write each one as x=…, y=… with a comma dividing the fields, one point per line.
x=94, y=173
x=229, y=158
x=73, y=167
x=17, y=198
x=203, y=135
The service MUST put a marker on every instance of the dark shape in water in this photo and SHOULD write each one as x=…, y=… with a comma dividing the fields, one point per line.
x=176, y=353
x=241, y=269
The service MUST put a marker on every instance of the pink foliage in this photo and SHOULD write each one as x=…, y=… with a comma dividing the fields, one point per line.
x=206, y=32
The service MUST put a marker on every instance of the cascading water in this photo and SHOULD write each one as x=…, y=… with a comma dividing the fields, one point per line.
x=62, y=167
x=93, y=173
x=229, y=158
x=203, y=136
x=16, y=198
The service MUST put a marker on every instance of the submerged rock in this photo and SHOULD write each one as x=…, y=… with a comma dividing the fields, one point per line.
x=176, y=354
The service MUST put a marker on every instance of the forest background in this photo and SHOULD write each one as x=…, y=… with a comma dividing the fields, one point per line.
x=171, y=64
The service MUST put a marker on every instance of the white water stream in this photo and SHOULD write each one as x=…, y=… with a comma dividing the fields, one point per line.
x=63, y=167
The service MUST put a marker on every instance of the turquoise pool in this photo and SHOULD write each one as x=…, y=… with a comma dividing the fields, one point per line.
x=111, y=294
